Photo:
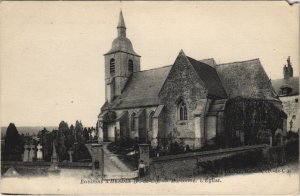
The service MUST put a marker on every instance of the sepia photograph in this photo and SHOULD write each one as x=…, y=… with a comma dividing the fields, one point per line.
x=149, y=97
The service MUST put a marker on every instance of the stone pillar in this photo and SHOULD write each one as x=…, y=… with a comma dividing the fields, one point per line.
x=97, y=154
x=144, y=158
x=284, y=125
x=39, y=153
x=100, y=132
x=70, y=152
x=54, y=162
x=197, y=121
x=26, y=153
x=271, y=141
x=54, y=158
x=154, y=141
x=32, y=153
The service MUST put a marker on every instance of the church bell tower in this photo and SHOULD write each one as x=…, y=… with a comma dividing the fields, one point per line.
x=120, y=62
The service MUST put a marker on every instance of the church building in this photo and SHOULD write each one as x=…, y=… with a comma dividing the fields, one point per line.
x=195, y=102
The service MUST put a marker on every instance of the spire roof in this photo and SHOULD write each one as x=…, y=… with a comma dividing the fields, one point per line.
x=121, y=23
x=122, y=43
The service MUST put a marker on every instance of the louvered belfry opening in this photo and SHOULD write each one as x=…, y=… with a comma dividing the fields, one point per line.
x=112, y=66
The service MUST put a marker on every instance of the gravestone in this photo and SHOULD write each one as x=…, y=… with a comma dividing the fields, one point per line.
x=26, y=153
x=144, y=160
x=70, y=152
x=39, y=153
x=32, y=153
x=97, y=154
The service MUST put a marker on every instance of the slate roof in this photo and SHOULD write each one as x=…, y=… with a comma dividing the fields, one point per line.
x=216, y=106
x=122, y=44
x=292, y=82
x=210, y=78
x=142, y=89
x=246, y=79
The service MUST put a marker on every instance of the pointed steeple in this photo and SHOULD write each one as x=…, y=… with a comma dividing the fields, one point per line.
x=121, y=26
x=121, y=21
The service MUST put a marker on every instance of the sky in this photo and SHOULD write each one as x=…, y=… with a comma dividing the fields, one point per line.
x=51, y=53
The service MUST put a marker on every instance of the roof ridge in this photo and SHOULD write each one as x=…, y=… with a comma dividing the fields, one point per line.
x=294, y=77
x=210, y=67
x=238, y=62
x=206, y=59
x=152, y=69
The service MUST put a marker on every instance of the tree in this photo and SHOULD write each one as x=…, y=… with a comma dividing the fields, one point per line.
x=72, y=128
x=63, y=127
x=78, y=132
x=85, y=135
x=46, y=140
x=13, y=148
x=81, y=152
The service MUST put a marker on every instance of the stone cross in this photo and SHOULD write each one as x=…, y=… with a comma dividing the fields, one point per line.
x=39, y=154
x=93, y=134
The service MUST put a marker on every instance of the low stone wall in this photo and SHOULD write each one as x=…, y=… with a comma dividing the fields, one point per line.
x=17, y=164
x=188, y=165
x=173, y=169
x=40, y=168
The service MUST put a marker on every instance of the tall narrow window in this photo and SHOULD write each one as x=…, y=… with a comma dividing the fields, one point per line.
x=182, y=111
x=112, y=65
x=130, y=65
x=132, y=121
x=151, y=120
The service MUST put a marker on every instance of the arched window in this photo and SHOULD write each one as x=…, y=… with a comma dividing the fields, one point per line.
x=132, y=124
x=130, y=65
x=182, y=111
x=112, y=65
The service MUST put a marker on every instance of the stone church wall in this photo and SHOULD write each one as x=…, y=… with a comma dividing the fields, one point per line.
x=291, y=108
x=141, y=122
x=182, y=84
